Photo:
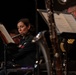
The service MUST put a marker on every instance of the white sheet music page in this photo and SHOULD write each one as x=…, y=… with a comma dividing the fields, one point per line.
x=71, y=20
x=46, y=16
x=5, y=34
x=62, y=24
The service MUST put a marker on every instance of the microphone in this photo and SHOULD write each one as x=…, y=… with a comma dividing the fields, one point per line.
x=16, y=36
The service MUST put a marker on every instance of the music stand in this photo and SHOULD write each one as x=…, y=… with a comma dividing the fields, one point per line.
x=67, y=35
x=65, y=26
x=6, y=40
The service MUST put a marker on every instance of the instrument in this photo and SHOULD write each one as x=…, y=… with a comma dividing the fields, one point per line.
x=53, y=38
x=16, y=36
x=43, y=45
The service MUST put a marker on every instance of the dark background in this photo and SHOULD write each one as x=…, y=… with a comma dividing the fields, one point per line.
x=12, y=11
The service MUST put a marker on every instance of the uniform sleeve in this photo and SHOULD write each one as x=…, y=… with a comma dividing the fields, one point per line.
x=27, y=48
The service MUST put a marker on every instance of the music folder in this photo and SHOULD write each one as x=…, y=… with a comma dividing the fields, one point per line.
x=5, y=35
x=65, y=23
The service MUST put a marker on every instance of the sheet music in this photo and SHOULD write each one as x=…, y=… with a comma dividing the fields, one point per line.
x=44, y=15
x=70, y=19
x=5, y=34
x=62, y=24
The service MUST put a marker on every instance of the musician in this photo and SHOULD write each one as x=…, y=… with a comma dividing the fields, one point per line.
x=25, y=55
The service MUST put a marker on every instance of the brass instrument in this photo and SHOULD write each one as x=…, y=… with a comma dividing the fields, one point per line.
x=53, y=38
x=40, y=39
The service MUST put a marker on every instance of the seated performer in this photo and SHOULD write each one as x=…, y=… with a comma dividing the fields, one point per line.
x=26, y=50
x=26, y=53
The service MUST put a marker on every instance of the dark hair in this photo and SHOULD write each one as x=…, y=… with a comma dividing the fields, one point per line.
x=27, y=23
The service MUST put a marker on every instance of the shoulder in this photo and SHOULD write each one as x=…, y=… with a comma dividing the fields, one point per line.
x=30, y=37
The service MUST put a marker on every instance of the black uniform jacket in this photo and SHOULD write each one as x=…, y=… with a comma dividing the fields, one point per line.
x=27, y=53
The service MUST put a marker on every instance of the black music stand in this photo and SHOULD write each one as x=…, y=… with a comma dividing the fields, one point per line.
x=5, y=59
x=68, y=35
x=6, y=39
x=65, y=22
x=66, y=31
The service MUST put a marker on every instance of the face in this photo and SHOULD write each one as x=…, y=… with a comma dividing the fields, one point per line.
x=22, y=28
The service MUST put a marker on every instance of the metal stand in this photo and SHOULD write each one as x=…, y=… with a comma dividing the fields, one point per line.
x=5, y=59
